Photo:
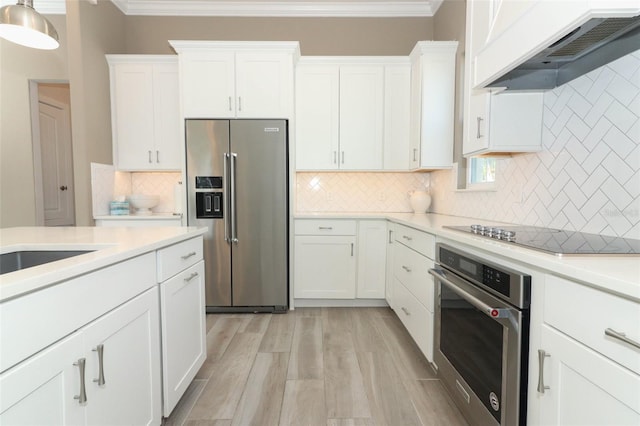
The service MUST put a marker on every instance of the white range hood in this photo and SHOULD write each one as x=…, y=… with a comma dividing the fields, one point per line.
x=541, y=44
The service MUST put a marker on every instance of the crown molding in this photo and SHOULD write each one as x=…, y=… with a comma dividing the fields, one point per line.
x=301, y=8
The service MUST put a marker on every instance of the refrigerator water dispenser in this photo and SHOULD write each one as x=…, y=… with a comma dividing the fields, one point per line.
x=209, y=205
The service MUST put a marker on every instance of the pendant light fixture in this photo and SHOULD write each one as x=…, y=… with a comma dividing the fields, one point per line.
x=21, y=24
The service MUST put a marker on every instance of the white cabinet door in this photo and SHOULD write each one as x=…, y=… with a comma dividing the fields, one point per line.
x=372, y=258
x=207, y=83
x=506, y=122
x=325, y=267
x=41, y=390
x=398, y=154
x=361, y=117
x=130, y=339
x=264, y=83
x=183, y=332
x=132, y=108
x=317, y=106
x=585, y=387
x=145, y=112
x=166, y=98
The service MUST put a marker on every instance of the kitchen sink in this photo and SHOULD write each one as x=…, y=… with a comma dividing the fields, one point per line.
x=17, y=260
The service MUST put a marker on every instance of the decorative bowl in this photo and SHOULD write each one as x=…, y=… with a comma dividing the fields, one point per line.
x=143, y=203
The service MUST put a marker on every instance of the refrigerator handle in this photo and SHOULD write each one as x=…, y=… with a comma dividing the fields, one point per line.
x=225, y=204
x=234, y=231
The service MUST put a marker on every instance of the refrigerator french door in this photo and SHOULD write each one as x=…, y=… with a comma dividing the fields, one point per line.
x=237, y=187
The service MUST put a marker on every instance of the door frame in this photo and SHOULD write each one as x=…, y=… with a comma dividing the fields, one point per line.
x=34, y=99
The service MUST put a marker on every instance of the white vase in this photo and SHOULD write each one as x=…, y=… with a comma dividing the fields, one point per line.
x=420, y=201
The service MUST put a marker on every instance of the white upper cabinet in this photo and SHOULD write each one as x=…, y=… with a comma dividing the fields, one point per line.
x=352, y=113
x=398, y=154
x=432, y=103
x=542, y=21
x=145, y=117
x=361, y=117
x=236, y=79
x=495, y=123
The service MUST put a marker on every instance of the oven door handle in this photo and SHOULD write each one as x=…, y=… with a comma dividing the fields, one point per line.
x=483, y=307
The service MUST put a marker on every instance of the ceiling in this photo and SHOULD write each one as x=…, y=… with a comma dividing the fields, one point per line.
x=336, y=8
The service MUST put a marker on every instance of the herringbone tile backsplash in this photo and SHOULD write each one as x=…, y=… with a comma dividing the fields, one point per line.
x=587, y=177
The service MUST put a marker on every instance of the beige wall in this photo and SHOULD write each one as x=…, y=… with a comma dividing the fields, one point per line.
x=94, y=30
x=18, y=65
x=317, y=36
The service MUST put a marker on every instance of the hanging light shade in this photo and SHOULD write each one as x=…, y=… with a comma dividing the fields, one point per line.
x=21, y=24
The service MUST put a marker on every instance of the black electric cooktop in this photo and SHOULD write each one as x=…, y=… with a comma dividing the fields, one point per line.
x=555, y=241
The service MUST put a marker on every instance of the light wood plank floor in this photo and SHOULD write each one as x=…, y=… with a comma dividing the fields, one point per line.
x=314, y=366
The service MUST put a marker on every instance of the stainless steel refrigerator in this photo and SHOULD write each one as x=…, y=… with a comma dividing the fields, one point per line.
x=237, y=187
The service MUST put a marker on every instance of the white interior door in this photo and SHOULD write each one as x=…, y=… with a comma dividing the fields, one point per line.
x=57, y=164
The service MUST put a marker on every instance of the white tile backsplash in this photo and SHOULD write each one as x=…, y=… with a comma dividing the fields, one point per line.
x=357, y=192
x=587, y=177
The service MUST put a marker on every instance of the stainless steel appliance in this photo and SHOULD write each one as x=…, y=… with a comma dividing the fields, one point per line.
x=556, y=241
x=482, y=336
x=237, y=187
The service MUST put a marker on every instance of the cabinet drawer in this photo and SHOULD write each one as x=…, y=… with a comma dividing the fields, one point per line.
x=584, y=313
x=421, y=242
x=325, y=227
x=178, y=257
x=415, y=317
x=412, y=269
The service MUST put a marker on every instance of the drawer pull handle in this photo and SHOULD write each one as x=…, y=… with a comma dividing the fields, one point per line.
x=327, y=228
x=542, y=354
x=190, y=277
x=100, y=380
x=406, y=237
x=406, y=268
x=82, y=398
x=390, y=236
x=406, y=311
x=188, y=255
x=621, y=336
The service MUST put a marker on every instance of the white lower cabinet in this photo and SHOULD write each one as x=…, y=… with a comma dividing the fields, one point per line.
x=415, y=317
x=48, y=388
x=586, y=372
x=584, y=387
x=184, y=346
x=325, y=267
x=372, y=255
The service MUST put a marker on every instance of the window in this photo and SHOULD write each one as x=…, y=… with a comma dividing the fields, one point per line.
x=481, y=172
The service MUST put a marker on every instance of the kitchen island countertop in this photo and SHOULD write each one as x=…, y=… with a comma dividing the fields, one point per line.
x=108, y=245
x=618, y=274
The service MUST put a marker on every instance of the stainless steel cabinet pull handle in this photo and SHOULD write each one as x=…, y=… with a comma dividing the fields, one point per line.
x=157, y=156
x=325, y=227
x=82, y=398
x=351, y=249
x=406, y=237
x=150, y=157
x=414, y=154
x=239, y=103
x=342, y=157
x=406, y=268
x=190, y=277
x=479, y=120
x=541, y=356
x=100, y=380
x=188, y=255
x=406, y=311
x=335, y=157
x=621, y=336
x=390, y=237
x=229, y=103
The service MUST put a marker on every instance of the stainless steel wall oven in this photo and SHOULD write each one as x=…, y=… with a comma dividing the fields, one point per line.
x=482, y=336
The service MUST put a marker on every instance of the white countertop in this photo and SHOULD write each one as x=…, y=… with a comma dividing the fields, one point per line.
x=111, y=245
x=155, y=216
x=616, y=274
